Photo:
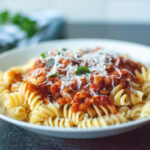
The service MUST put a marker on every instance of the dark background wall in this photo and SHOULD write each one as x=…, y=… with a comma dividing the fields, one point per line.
x=139, y=33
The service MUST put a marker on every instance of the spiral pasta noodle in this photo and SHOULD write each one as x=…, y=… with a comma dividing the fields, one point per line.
x=58, y=122
x=33, y=98
x=103, y=121
x=119, y=97
x=101, y=110
x=3, y=92
x=75, y=117
x=136, y=97
x=145, y=112
x=146, y=88
x=18, y=113
x=43, y=112
x=144, y=75
x=14, y=100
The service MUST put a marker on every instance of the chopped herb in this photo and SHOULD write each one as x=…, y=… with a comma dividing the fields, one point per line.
x=44, y=54
x=50, y=62
x=64, y=49
x=82, y=70
x=61, y=52
x=101, y=53
x=53, y=75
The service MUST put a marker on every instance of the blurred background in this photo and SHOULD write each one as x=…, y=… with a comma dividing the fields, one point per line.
x=28, y=22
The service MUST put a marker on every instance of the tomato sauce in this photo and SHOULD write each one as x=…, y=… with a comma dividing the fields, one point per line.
x=119, y=72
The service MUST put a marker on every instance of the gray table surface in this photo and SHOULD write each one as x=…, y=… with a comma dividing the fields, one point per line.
x=15, y=138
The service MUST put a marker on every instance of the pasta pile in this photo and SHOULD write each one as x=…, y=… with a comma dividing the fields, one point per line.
x=82, y=88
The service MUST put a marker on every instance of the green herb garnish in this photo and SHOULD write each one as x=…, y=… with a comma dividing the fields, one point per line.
x=101, y=53
x=44, y=54
x=50, y=62
x=64, y=49
x=53, y=75
x=59, y=53
x=82, y=70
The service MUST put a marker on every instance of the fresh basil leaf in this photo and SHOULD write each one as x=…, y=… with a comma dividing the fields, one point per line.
x=53, y=75
x=64, y=49
x=82, y=70
x=59, y=53
x=50, y=62
x=44, y=54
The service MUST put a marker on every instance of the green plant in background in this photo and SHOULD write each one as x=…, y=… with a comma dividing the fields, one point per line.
x=4, y=17
x=29, y=26
x=25, y=24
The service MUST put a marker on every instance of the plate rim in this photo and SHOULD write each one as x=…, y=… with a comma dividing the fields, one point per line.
x=8, y=52
x=74, y=129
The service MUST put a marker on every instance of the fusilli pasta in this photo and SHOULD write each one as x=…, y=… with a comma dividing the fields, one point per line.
x=82, y=88
x=103, y=121
x=58, y=122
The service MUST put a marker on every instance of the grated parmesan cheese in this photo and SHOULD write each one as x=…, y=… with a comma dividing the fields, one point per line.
x=95, y=60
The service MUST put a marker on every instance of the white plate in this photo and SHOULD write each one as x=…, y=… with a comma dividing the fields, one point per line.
x=20, y=56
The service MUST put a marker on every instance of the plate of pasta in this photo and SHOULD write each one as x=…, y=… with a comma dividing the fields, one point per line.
x=81, y=88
